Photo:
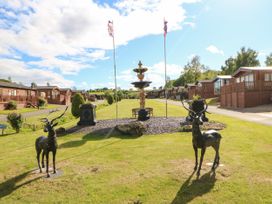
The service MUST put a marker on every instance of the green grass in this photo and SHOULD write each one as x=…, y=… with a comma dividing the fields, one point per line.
x=26, y=110
x=149, y=169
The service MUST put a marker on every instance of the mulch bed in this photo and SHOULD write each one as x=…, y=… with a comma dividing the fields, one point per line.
x=155, y=125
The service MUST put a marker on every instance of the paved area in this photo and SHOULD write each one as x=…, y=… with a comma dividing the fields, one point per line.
x=34, y=113
x=260, y=114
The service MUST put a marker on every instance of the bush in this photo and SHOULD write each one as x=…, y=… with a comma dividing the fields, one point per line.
x=77, y=101
x=11, y=105
x=15, y=120
x=41, y=102
x=109, y=98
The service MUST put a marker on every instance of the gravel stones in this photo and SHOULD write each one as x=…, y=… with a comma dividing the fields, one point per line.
x=155, y=125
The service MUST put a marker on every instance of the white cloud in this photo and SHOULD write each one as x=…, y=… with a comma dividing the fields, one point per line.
x=49, y=29
x=191, y=24
x=213, y=49
x=19, y=72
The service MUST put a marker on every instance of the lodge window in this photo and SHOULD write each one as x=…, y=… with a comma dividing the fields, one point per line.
x=268, y=77
x=12, y=92
x=42, y=94
x=54, y=94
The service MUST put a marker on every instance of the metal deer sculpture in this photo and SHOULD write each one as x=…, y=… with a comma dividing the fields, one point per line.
x=203, y=140
x=48, y=144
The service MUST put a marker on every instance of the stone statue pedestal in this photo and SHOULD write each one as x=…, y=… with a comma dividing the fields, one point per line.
x=87, y=114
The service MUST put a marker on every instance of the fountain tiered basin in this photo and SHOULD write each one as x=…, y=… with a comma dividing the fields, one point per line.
x=143, y=113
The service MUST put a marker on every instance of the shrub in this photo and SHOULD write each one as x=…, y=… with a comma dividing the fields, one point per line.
x=120, y=95
x=110, y=99
x=11, y=105
x=15, y=120
x=77, y=101
x=41, y=102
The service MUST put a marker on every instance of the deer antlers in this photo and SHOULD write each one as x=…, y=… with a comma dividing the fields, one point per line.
x=47, y=121
x=190, y=110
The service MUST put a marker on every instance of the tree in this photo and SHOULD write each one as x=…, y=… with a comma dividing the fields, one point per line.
x=179, y=81
x=169, y=84
x=33, y=85
x=193, y=70
x=76, y=102
x=268, y=61
x=245, y=58
x=229, y=67
x=209, y=74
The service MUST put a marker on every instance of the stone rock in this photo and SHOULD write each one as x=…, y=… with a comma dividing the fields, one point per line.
x=134, y=128
x=60, y=131
x=186, y=126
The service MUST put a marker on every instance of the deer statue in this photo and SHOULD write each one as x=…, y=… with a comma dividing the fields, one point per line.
x=48, y=144
x=202, y=140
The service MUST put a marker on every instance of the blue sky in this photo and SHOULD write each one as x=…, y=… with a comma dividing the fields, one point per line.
x=66, y=43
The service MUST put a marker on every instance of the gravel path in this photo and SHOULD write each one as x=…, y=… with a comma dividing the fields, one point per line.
x=156, y=125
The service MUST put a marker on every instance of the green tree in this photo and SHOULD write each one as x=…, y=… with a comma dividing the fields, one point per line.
x=268, y=61
x=245, y=58
x=77, y=101
x=209, y=74
x=110, y=98
x=169, y=84
x=229, y=67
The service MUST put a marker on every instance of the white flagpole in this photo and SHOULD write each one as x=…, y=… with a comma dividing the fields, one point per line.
x=165, y=70
x=111, y=33
x=115, y=80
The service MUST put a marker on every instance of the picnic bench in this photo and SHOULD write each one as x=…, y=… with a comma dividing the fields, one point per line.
x=3, y=127
x=136, y=110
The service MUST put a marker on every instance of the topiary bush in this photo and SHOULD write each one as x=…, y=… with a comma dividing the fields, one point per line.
x=77, y=101
x=41, y=102
x=110, y=99
x=15, y=120
x=11, y=105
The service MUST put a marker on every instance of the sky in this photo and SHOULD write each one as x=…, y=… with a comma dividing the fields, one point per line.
x=66, y=42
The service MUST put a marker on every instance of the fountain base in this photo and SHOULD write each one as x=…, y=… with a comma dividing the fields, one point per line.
x=143, y=115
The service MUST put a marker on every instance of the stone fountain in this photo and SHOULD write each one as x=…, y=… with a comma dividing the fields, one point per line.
x=143, y=113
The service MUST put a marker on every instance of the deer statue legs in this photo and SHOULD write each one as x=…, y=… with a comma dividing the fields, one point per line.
x=216, y=158
x=196, y=157
x=203, y=150
x=54, y=161
x=38, y=159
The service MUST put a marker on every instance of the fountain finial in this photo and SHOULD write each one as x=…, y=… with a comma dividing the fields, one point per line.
x=140, y=64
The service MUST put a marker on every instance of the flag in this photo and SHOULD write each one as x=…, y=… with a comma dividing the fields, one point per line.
x=110, y=28
x=165, y=27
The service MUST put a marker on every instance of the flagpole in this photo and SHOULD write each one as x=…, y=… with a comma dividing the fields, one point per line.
x=115, y=80
x=165, y=76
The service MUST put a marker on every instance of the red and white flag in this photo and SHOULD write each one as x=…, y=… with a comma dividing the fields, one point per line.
x=165, y=27
x=110, y=28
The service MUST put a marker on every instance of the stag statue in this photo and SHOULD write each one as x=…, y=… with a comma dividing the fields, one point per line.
x=48, y=144
x=202, y=140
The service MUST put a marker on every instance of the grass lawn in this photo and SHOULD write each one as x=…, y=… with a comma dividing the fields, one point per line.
x=149, y=169
x=26, y=110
